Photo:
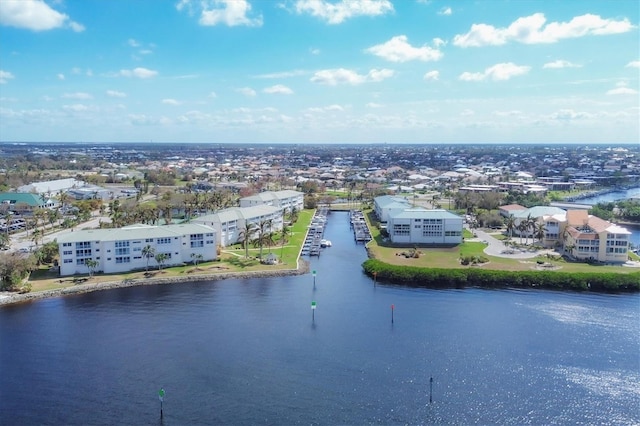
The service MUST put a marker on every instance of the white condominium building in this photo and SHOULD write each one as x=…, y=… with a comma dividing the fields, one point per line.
x=229, y=223
x=424, y=227
x=121, y=249
x=285, y=200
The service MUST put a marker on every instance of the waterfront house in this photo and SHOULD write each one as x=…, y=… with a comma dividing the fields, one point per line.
x=121, y=249
x=588, y=237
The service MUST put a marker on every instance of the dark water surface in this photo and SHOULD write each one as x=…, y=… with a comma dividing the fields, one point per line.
x=248, y=352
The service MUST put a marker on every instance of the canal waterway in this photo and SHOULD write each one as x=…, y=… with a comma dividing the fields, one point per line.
x=252, y=352
x=616, y=196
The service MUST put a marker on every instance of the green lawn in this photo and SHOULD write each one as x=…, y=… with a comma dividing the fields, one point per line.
x=448, y=257
x=231, y=259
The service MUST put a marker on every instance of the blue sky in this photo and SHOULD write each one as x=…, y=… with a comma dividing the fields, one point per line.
x=322, y=71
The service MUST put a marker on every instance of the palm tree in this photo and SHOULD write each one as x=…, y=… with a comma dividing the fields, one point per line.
x=264, y=227
x=539, y=231
x=510, y=223
x=197, y=257
x=293, y=215
x=148, y=252
x=246, y=233
x=522, y=228
x=284, y=233
x=269, y=239
x=531, y=223
x=161, y=258
x=91, y=265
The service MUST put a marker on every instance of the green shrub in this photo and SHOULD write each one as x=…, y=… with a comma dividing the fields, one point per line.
x=474, y=277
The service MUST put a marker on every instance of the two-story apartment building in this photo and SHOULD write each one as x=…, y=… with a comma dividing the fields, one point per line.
x=121, y=249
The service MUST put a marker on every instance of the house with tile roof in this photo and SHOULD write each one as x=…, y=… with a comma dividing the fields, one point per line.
x=120, y=250
x=588, y=237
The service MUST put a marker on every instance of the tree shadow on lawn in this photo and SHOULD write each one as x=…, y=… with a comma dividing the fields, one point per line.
x=241, y=262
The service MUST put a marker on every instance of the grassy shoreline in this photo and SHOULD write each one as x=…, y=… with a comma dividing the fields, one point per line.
x=233, y=264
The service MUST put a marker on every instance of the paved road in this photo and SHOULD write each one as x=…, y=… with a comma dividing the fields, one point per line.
x=497, y=248
x=20, y=240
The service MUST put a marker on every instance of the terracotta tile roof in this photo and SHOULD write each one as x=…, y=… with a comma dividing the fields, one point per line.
x=513, y=207
x=577, y=217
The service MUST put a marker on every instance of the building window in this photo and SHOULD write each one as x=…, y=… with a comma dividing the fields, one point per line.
x=66, y=244
x=68, y=261
x=83, y=245
x=123, y=259
x=166, y=240
x=122, y=244
x=67, y=252
x=401, y=229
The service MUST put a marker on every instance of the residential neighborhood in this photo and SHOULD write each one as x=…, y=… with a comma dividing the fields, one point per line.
x=228, y=195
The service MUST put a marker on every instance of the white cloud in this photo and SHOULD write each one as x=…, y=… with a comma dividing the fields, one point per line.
x=336, y=13
x=169, y=101
x=532, y=30
x=77, y=95
x=560, y=63
x=399, y=50
x=5, y=76
x=228, y=12
x=622, y=91
x=498, y=72
x=278, y=88
x=247, y=91
x=133, y=43
x=35, y=15
x=213, y=95
x=446, y=11
x=76, y=107
x=437, y=42
x=314, y=51
x=333, y=77
x=568, y=114
x=373, y=105
x=432, y=75
x=60, y=76
x=283, y=74
x=633, y=64
x=138, y=73
x=116, y=94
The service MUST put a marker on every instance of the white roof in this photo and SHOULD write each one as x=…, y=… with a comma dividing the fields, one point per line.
x=134, y=232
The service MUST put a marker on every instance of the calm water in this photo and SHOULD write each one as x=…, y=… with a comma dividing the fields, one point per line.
x=616, y=196
x=249, y=352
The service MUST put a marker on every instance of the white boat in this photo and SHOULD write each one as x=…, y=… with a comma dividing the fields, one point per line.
x=325, y=243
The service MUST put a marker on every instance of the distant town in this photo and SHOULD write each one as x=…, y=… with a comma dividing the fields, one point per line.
x=131, y=206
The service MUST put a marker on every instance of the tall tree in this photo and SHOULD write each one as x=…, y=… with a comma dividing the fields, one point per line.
x=161, y=258
x=245, y=236
x=148, y=252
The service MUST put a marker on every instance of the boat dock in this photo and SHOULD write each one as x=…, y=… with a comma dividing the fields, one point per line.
x=359, y=225
x=314, y=241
